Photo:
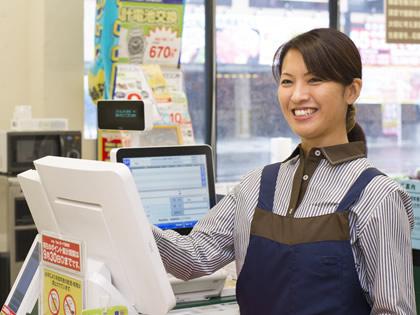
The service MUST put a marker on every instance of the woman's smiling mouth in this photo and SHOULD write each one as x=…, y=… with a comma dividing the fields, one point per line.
x=303, y=112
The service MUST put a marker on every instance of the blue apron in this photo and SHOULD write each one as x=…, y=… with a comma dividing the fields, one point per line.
x=301, y=266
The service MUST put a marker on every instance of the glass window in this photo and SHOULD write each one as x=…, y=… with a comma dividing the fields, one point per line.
x=249, y=119
x=192, y=65
x=388, y=108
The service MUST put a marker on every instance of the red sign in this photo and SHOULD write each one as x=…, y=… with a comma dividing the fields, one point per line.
x=61, y=253
x=109, y=143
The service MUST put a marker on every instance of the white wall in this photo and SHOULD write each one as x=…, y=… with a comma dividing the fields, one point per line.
x=41, y=51
x=14, y=60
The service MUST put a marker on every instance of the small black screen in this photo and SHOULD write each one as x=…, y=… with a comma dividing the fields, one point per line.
x=121, y=115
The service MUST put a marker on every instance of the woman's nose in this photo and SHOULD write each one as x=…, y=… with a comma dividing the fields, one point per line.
x=300, y=93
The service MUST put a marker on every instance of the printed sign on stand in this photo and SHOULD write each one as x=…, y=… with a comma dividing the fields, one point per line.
x=62, y=294
x=58, y=252
x=412, y=187
x=62, y=276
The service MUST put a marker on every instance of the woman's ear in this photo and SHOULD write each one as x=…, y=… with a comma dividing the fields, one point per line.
x=352, y=91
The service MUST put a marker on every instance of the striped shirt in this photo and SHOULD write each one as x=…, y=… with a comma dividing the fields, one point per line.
x=380, y=223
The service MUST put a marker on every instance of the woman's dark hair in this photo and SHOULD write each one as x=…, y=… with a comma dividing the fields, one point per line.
x=356, y=134
x=329, y=54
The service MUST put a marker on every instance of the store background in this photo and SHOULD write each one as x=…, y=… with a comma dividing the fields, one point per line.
x=47, y=49
x=47, y=45
x=247, y=112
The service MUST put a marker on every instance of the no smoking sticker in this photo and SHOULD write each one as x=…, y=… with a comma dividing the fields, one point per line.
x=62, y=293
x=54, y=302
x=69, y=305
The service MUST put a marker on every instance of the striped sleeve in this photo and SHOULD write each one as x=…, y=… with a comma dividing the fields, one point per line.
x=386, y=243
x=207, y=248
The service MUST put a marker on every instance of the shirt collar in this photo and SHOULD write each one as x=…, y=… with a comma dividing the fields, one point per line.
x=335, y=154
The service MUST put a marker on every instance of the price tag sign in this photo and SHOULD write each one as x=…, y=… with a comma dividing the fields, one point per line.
x=163, y=47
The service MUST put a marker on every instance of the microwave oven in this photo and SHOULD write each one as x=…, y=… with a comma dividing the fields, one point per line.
x=18, y=149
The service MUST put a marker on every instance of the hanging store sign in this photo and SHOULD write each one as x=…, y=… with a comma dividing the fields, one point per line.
x=403, y=21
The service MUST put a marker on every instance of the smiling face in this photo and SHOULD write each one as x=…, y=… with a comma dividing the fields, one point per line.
x=315, y=109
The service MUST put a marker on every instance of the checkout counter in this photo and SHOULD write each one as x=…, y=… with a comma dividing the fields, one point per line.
x=227, y=304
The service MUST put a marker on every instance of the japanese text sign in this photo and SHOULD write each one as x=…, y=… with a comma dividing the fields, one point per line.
x=403, y=21
x=62, y=253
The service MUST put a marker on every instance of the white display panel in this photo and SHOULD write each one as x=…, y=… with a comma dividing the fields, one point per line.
x=174, y=189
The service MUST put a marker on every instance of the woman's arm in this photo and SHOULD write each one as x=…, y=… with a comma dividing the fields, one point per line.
x=207, y=248
x=386, y=244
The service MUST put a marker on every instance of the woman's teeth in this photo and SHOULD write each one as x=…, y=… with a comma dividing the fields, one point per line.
x=304, y=111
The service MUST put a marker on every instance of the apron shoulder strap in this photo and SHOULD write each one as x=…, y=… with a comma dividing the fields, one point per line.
x=353, y=194
x=268, y=186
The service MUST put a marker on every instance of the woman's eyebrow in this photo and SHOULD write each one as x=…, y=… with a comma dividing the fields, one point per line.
x=291, y=75
x=285, y=73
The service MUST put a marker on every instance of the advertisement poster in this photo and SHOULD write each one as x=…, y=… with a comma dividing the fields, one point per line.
x=138, y=49
x=176, y=112
x=131, y=84
x=136, y=32
x=150, y=32
x=106, y=49
x=157, y=82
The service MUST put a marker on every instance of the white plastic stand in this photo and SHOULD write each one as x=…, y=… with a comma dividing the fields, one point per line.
x=100, y=290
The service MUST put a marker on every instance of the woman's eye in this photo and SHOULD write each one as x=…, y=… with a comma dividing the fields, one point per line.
x=315, y=80
x=285, y=82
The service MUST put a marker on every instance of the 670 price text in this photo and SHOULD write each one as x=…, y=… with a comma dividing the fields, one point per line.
x=161, y=52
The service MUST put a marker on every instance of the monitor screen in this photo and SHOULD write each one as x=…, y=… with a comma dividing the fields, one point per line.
x=175, y=183
x=174, y=190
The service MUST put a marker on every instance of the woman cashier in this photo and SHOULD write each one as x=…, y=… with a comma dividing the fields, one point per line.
x=323, y=232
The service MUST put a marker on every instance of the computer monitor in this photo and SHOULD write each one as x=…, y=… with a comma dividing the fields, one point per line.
x=175, y=183
x=97, y=202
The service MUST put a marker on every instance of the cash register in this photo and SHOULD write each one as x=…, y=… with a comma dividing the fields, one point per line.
x=176, y=187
